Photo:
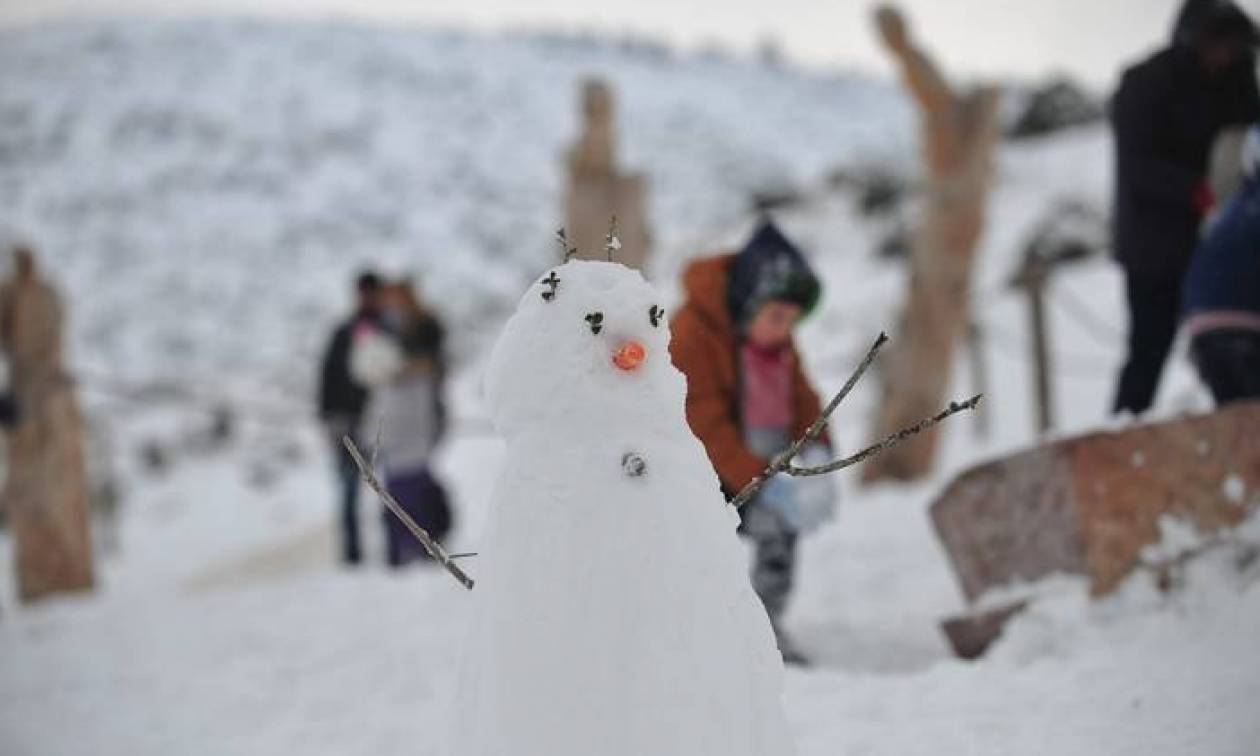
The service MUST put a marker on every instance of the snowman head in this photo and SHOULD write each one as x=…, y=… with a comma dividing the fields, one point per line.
x=587, y=351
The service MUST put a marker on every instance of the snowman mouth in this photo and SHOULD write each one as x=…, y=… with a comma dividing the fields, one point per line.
x=629, y=356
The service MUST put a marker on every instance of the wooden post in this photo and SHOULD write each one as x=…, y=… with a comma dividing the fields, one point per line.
x=45, y=497
x=959, y=131
x=979, y=377
x=1033, y=279
x=1036, y=288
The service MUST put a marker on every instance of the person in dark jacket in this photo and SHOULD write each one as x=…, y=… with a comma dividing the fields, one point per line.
x=1222, y=297
x=748, y=397
x=1166, y=115
x=342, y=400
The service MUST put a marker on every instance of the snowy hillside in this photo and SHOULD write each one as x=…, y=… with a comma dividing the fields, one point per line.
x=203, y=190
x=234, y=174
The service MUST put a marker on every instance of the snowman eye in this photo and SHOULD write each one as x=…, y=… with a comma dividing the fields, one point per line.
x=655, y=314
x=596, y=321
x=551, y=282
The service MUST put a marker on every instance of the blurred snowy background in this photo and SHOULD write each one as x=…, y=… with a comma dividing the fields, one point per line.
x=203, y=190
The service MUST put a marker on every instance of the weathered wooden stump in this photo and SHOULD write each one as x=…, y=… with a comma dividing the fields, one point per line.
x=45, y=497
x=598, y=191
x=958, y=132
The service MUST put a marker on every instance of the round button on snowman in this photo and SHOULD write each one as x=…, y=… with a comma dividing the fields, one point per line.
x=613, y=613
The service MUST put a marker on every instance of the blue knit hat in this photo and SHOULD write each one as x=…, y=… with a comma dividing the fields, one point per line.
x=770, y=268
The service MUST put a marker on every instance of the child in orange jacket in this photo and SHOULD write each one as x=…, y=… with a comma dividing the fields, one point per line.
x=748, y=397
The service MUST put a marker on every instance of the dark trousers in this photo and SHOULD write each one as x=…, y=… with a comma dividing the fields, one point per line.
x=421, y=496
x=348, y=477
x=1154, y=307
x=774, y=558
x=1228, y=361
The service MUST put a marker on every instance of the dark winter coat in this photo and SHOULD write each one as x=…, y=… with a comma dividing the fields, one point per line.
x=1225, y=272
x=340, y=396
x=1166, y=115
x=705, y=347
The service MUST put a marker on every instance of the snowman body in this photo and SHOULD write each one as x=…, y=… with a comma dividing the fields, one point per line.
x=613, y=614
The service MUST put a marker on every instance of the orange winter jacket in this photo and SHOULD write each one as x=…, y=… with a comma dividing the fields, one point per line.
x=705, y=348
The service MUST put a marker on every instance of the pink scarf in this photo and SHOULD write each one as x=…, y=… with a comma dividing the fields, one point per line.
x=767, y=387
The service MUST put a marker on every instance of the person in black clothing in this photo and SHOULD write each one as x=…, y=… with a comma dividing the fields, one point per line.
x=341, y=404
x=1166, y=115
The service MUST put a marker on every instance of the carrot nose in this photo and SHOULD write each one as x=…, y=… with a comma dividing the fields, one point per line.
x=629, y=355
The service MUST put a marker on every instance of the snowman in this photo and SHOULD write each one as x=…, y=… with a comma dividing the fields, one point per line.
x=613, y=613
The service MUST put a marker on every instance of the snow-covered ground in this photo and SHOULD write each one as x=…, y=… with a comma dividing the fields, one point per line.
x=202, y=191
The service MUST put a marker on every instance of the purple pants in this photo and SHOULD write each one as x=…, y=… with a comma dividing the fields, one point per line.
x=422, y=497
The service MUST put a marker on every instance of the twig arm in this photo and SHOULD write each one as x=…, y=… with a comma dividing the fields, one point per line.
x=430, y=545
x=783, y=461
x=889, y=442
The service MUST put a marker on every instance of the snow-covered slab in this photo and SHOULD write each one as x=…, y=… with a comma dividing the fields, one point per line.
x=1089, y=505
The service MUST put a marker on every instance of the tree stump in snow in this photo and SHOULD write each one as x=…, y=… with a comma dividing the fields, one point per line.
x=598, y=191
x=45, y=497
x=1090, y=505
x=959, y=131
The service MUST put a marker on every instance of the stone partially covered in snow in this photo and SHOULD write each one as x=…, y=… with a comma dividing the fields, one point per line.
x=613, y=612
x=1090, y=505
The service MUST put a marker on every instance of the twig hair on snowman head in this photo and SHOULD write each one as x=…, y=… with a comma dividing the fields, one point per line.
x=567, y=250
x=612, y=243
